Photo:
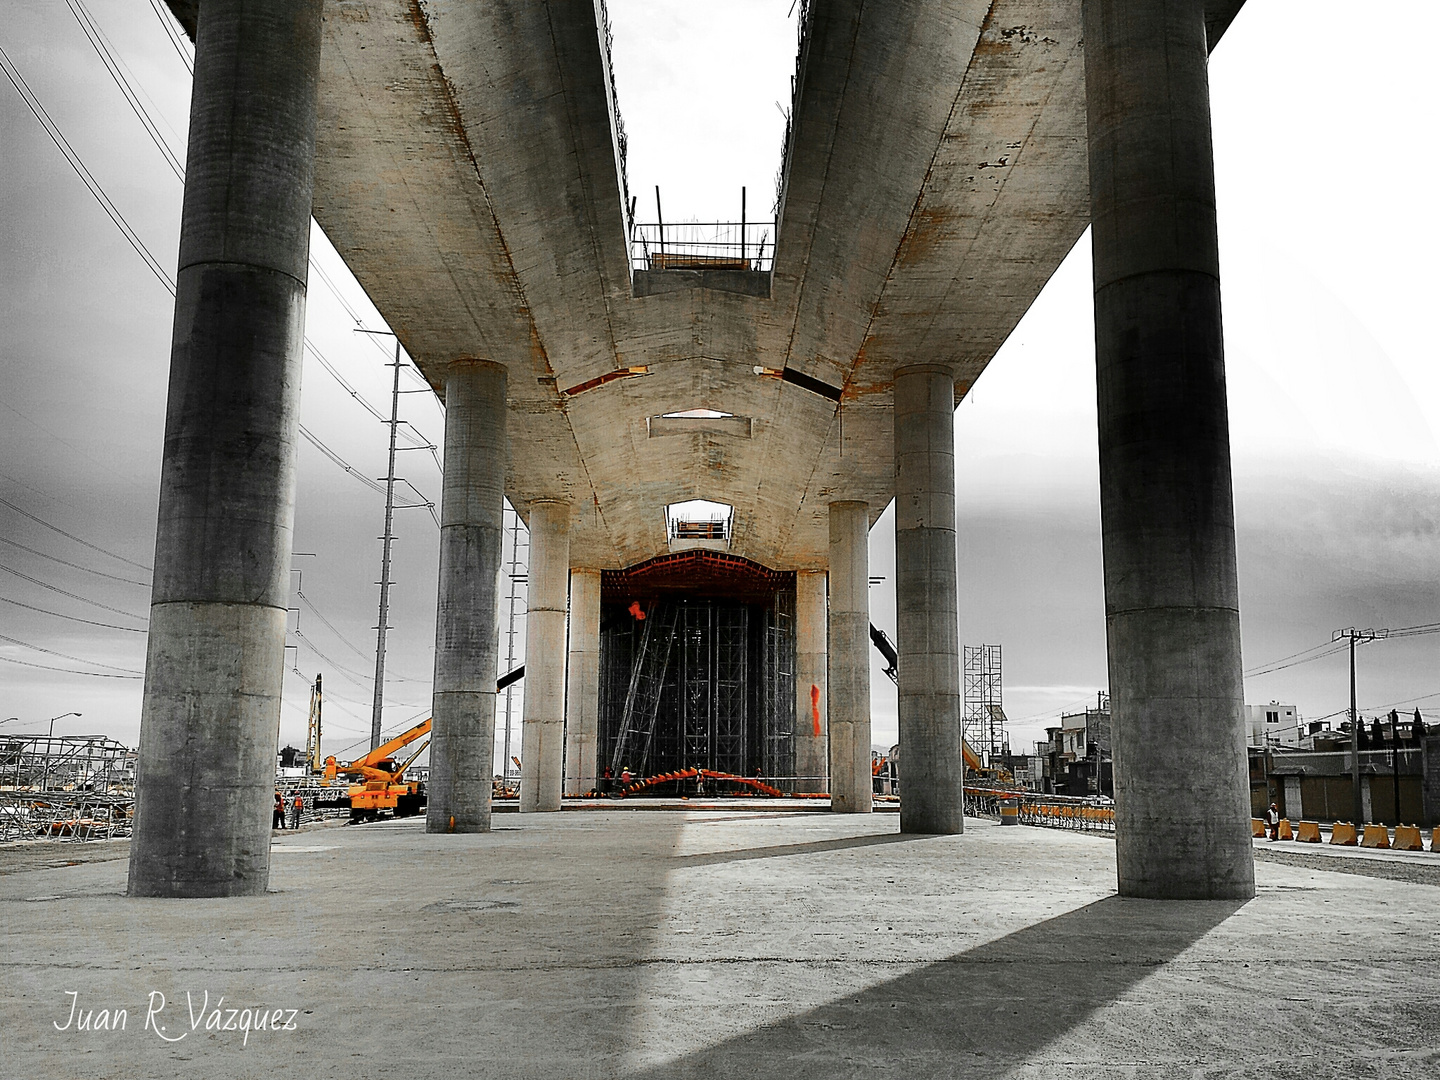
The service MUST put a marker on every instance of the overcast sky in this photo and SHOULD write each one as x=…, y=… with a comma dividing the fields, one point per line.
x=1328, y=232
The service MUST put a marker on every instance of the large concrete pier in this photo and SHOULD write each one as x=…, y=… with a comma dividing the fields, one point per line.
x=543, y=733
x=462, y=741
x=926, y=604
x=215, y=657
x=1182, y=789
x=849, y=656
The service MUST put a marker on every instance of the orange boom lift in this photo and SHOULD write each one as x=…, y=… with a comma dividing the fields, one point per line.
x=381, y=788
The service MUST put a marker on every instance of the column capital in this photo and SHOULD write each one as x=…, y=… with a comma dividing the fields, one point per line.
x=927, y=368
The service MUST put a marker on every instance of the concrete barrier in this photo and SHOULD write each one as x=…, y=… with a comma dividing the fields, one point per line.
x=1257, y=827
x=1408, y=838
x=1376, y=836
x=1309, y=832
x=1284, y=832
x=1343, y=833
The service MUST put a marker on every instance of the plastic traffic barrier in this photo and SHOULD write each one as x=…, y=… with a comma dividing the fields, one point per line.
x=1257, y=827
x=1343, y=833
x=1285, y=832
x=1308, y=832
x=1408, y=838
x=1376, y=836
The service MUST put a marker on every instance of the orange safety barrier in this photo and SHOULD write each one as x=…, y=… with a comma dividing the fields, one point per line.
x=1343, y=833
x=1376, y=836
x=1408, y=838
x=1435, y=839
x=1309, y=832
x=1257, y=827
x=1285, y=832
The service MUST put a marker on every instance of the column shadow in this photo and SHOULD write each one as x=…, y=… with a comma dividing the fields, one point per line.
x=780, y=851
x=974, y=1014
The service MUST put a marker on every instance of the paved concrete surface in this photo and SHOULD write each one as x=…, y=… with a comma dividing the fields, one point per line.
x=722, y=944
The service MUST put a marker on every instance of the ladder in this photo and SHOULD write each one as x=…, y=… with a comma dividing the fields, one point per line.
x=647, y=680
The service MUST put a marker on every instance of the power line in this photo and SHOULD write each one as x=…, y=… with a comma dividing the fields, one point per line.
x=73, y=618
x=75, y=566
x=114, y=65
x=173, y=33
x=72, y=671
x=371, y=484
x=71, y=536
x=58, y=138
x=71, y=595
x=67, y=656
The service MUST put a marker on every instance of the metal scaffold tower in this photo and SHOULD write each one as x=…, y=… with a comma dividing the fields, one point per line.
x=984, y=702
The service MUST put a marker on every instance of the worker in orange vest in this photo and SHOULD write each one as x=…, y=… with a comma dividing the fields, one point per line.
x=299, y=805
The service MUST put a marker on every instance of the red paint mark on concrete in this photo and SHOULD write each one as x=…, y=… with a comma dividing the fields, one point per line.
x=815, y=707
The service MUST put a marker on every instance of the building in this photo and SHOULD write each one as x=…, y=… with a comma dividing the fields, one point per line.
x=1076, y=756
x=1272, y=725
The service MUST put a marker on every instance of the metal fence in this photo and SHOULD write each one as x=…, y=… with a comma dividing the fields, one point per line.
x=1047, y=811
x=65, y=787
x=708, y=245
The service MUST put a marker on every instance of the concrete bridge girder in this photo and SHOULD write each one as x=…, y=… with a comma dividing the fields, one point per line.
x=938, y=170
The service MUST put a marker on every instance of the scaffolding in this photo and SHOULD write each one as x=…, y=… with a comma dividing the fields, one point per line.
x=700, y=683
x=65, y=787
x=984, y=702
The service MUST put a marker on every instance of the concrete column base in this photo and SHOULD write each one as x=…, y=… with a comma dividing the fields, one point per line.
x=206, y=766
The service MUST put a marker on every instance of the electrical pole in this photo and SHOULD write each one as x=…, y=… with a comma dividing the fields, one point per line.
x=389, y=539
x=1354, y=635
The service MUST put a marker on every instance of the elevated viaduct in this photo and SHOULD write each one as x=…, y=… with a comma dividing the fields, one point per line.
x=467, y=161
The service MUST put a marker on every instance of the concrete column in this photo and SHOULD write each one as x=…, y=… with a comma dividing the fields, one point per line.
x=542, y=739
x=1167, y=516
x=849, y=658
x=582, y=696
x=927, y=619
x=462, y=738
x=211, y=715
x=811, y=707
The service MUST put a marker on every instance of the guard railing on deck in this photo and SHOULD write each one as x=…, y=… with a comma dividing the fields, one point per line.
x=706, y=245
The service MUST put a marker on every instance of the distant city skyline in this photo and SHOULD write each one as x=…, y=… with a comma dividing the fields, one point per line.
x=1326, y=230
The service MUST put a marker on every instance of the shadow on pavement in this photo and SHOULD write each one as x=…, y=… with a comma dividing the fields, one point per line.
x=975, y=1014
x=778, y=851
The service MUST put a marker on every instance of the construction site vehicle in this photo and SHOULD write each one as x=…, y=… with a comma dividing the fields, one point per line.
x=381, y=788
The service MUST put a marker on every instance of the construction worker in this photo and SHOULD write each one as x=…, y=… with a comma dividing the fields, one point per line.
x=279, y=820
x=1272, y=821
x=299, y=805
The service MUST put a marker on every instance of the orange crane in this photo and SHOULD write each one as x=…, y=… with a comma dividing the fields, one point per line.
x=381, y=787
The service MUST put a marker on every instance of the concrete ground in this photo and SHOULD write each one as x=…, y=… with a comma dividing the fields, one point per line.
x=716, y=944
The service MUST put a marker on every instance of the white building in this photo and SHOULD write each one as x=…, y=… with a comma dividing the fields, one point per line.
x=1272, y=725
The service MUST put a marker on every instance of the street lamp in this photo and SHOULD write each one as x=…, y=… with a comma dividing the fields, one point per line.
x=60, y=717
x=49, y=750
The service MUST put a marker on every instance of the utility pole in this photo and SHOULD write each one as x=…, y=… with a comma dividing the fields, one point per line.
x=1395, y=765
x=1353, y=635
x=389, y=539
